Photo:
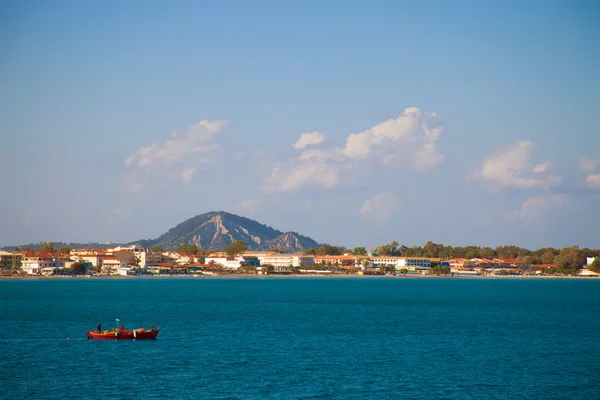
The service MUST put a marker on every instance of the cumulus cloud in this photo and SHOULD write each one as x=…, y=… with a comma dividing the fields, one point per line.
x=538, y=169
x=381, y=206
x=587, y=165
x=511, y=166
x=199, y=138
x=303, y=174
x=308, y=139
x=177, y=158
x=413, y=132
x=413, y=126
x=593, y=181
x=534, y=207
x=427, y=157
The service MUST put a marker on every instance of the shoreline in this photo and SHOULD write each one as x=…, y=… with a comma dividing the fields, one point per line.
x=302, y=276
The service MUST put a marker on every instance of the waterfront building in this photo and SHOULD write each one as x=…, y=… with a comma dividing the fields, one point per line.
x=233, y=262
x=111, y=265
x=34, y=263
x=10, y=262
x=339, y=261
x=282, y=261
x=143, y=255
x=409, y=263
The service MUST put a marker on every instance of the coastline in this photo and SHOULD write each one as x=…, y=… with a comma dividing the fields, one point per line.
x=300, y=276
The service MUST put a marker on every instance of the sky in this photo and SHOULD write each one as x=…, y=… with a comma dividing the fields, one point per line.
x=355, y=123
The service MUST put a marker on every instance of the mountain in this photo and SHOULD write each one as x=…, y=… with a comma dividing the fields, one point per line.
x=218, y=229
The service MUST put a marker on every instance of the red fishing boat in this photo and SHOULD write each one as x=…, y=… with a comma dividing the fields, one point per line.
x=122, y=333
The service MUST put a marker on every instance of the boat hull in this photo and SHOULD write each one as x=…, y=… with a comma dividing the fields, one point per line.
x=123, y=334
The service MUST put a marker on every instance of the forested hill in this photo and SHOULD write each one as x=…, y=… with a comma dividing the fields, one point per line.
x=218, y=229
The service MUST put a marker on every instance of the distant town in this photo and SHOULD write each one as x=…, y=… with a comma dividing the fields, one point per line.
x=389, y=260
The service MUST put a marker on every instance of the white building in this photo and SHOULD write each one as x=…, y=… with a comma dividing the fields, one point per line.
x=145, y=256
x=410, y=263
x=233, y=262
x=112, y=264
x=34, y=264
x=282, y=260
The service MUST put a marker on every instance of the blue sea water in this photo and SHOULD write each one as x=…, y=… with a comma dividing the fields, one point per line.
x=291, y=338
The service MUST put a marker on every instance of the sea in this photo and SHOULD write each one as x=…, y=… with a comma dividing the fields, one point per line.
x=302, y=338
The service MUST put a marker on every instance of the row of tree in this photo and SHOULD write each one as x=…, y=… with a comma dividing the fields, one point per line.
x=567, y=257
x=46, y=247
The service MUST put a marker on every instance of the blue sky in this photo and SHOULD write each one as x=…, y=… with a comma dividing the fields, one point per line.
x=355, y=123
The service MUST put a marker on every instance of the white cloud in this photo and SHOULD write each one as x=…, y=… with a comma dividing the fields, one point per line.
x=177, y=158
x=303, y=174
x=187, y=173
x=309, y=139
x=538, y=169
x=587, y=165
x=246, y=208
x=412, y=126
x=593, y=181
x=199, y=138
x=427, y=157
x=534, y=207
x=511, y=166
x=414, y=132
x=381, y=207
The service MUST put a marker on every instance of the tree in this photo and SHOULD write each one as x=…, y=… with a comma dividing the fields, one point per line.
x=156, y=249
x=236, y=248
x=16, y=249
x=310, y=251
x=547, y=257
x=403, y=271
x=390, y=249
x=569, y=258
x=439, y=270
x=360, y=251
x=329, y=250
x=486, y=252
x=79, y=268
x=276, y=250
x=194, y=249
x=527, y=260
x=387, y=268
x=247, y=269
x=46, y=247
x=268, y=268
x=64, y=249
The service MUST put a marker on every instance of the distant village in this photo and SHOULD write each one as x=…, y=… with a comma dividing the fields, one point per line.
x=135, y=260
